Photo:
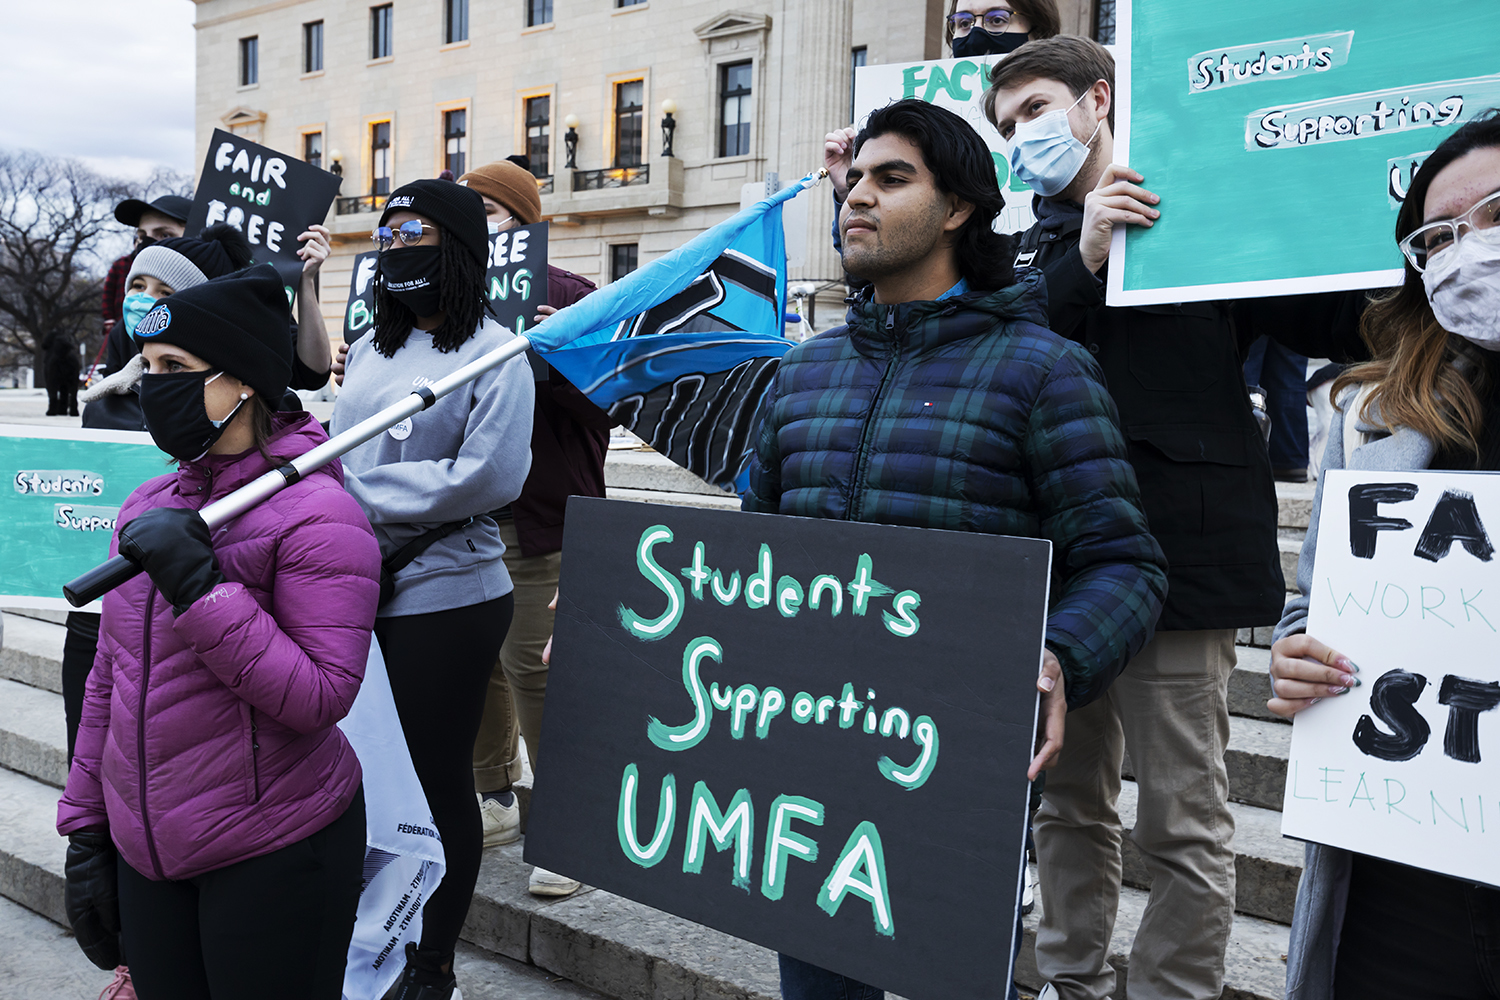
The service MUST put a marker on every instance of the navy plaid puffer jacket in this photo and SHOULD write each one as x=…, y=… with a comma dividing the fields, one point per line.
x=968, y=414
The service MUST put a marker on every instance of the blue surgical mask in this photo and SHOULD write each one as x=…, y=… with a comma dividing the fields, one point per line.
x=135, y=307
x=1046, y=155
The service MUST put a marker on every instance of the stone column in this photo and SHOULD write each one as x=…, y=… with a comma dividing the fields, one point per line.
x=817, y=46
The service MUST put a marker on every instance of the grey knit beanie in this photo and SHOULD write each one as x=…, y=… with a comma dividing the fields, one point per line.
x=167, y=266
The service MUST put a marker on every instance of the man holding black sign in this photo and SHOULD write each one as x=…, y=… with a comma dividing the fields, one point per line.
x=945, y=403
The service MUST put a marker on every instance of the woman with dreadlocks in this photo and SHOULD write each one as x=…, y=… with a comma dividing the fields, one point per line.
x=427, y=485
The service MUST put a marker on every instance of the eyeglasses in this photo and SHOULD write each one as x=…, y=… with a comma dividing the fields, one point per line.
x=1436, y=237
x=994, y=20
x=409, y=232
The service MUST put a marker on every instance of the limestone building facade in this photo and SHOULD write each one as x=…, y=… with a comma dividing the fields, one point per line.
x=387, y=91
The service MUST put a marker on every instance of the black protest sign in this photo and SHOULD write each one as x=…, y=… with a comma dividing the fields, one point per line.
x=269, y=196
x=809, y=734
x=359, y=311
x=515, y=281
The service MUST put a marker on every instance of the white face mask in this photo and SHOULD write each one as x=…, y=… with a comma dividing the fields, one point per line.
x=1463, y=286
x=1046, y=155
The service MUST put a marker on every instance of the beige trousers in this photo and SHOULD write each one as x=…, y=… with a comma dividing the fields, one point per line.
x=513, y=703
x=1170, y=709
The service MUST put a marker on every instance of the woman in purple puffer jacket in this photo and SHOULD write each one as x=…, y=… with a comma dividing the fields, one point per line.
x=208, y=754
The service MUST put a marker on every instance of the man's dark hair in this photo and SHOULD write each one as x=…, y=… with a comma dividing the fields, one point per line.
x=961, y=165
x=1072, y=60
x=460, y=295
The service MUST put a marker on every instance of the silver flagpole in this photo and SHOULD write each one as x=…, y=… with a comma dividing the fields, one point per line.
x=107, y=576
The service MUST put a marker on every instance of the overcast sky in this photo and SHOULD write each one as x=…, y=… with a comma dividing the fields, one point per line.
x=107, y=81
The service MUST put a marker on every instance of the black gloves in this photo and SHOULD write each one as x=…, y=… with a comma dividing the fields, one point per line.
x=91, y=897
x=172, y=544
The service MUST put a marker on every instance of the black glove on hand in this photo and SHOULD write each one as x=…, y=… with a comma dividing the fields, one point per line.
x=91, y=897
x=172, y=544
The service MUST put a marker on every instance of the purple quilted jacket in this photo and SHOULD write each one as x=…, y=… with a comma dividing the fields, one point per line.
x=211, y=738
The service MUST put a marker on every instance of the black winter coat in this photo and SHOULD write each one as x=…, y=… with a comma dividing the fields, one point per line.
x=1176, y=374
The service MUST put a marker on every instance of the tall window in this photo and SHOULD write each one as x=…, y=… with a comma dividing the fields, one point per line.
x=312, y=148
x=455, y=21
x=312, y=47
x=380, y=31
x=249, y=60
x=539, y=133
x=455, y=140
x=856, y=61
x=629, y=138
x=1104, y=22
x=380, y=158
x=538, y=12
x=622, y=260
x=734, y=109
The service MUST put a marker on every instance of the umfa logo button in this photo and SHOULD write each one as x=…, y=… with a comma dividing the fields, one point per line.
x=400, y=431
x=154, y=322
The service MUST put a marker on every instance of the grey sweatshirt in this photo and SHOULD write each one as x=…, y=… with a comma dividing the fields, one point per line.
x=467, y=455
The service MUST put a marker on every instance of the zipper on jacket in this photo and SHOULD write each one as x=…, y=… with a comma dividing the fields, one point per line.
x=856, y=492
x=254, y=760
x=140, y=763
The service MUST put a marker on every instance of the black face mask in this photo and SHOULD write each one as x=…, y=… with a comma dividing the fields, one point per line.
x=979, y=42
x=411, y=275
x=175, y=415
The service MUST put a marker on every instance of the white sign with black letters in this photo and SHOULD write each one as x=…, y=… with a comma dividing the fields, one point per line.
x=1407, y=586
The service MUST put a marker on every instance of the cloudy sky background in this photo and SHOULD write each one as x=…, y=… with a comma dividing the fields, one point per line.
x=109, y=82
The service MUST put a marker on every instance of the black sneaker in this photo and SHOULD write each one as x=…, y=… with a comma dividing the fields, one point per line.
x=424, y=978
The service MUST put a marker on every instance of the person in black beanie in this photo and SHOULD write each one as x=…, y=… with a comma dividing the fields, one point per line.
x=428, y=486
x=214, y=810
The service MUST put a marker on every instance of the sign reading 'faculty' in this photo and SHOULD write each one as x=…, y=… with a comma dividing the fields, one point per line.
x=809, y=734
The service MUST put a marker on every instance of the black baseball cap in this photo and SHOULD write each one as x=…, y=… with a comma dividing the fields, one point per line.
x=129, y=211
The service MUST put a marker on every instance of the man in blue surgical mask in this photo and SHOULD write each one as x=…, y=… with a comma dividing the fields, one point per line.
x=1174, y=372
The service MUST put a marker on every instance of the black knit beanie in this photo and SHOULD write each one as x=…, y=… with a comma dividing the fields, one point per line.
x=240, y=324
x=183, y=262
x=456, y=209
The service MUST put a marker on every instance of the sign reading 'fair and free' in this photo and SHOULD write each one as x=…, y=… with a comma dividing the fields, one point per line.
x=797, y=731
x=1408, y=587
x=1281, y=137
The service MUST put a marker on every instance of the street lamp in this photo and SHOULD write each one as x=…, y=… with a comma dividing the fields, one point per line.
x=571, y=138
x=668, y=125
x=336, y=160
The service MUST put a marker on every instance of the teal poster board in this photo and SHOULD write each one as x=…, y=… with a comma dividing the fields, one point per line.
x=62, y=492
x=1281, y=137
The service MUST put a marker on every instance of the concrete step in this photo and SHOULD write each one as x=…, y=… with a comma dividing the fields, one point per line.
x=31, y=852
x=1250, y=684
x=1255, y=962
x=1267, y=866
x=33, y=651
x=1256, y=761
x=33, y=733
x=1290, y=550
x=1294, y=502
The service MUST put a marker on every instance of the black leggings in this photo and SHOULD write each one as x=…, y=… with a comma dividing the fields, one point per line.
x=79, y=648
x=1410, y=933
x=440, y=664
x=273, y=926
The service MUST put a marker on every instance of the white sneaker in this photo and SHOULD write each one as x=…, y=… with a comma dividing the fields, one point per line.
x=502, y=824
x=545, y=883
x=1028, y=897
x=1049, y=992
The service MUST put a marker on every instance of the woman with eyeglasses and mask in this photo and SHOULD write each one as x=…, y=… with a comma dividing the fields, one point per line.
x=428, y=485
x=1364, y=927
x=214, y=809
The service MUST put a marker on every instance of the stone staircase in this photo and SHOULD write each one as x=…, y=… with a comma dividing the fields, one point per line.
x=624, y=949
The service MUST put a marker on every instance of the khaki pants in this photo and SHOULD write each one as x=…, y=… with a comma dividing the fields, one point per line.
x=513, y=703
x=1170, y=708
